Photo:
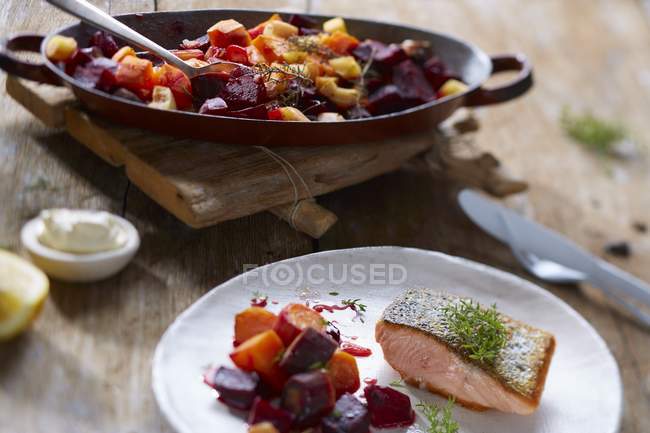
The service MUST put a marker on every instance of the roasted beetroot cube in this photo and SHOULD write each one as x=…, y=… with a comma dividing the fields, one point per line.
x=303, y=21
x=81, y=57
x=410, y=80
x=244, y=91
x=201, y=43
x=104, y=42
x=207, y=86
x=364, y=50
x=259, y=112
x=310, y=350
x=98, y=73
x=123, y=93
x=263, y=411
x=388, y=99
x=436, y=72
x=388, y=407
x=390, y=55
x=349, y=416
x=309, y=397
x=237, y=388
x=214, y=106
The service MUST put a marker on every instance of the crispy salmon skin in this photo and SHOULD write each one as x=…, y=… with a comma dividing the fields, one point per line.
x=417, y=342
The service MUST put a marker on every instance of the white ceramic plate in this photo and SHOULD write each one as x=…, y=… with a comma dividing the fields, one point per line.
x=583, y=389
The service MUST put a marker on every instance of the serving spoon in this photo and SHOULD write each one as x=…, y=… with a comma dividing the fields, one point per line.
x=100, y=19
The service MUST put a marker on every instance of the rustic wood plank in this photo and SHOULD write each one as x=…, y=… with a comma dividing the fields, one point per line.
x=590, y=199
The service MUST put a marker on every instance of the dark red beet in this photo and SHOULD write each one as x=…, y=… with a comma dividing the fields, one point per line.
x=214, y=106
x=436, y=72
x=104, y=42
x=364, y=49
x=264, y=411
x=81, y=57
x=243, y=91
x=388, y=99
x=303, y=21
x=349, y=416
x=390, y=55
x=201, y=43
x=207, y=86
x=237, y=389
x=388, y=407
x=310, y=350
x=126, y=94
x=309, y=397
x=260, y=112
x=410, y=80
x=98, y=73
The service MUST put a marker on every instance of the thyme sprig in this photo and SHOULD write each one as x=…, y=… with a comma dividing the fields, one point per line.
x=354, y=305
x=480, y=330
x=293, y=76
x=310, y=44
x=598, y=134
x=440, y=418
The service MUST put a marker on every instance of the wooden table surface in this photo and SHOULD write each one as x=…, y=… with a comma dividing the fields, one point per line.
x=85, y=365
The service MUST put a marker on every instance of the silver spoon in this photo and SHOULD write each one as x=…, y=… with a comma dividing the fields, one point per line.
x=555, y=273
x=100, y=19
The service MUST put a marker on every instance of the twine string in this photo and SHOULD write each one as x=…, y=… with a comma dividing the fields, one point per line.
x=287, y=167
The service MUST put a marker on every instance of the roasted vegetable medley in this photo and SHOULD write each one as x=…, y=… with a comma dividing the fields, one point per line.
x=294, y=70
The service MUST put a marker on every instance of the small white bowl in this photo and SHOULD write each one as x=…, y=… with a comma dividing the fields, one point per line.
x=78, y=268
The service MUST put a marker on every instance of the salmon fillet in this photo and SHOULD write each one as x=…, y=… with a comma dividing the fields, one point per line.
x=416, y=342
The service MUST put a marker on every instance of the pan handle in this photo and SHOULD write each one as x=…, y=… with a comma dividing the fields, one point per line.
x=38, y=72
x=515, y=88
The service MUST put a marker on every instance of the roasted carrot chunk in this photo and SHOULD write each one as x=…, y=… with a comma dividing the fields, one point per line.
x=253, y=321
x=134, y=73
x=228, y=32
x=341, y=43
x=261, y=354
x=343, y=373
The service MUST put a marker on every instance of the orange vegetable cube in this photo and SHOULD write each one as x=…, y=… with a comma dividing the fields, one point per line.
x=261, y=354
x=340, y=42
x=343, y=373
x=271, y=47
x=134, y=73
x=60, y=48
x=181, y=86
x=228, y=32
x=122, y=53
x=259, y=29
x=253, y=321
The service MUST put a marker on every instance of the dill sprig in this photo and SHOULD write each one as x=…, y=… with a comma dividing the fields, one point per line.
x=354, y=305
x=480, y=330
x=310, y=44
x=598, y=134
x=440, y=419
x=397, y=383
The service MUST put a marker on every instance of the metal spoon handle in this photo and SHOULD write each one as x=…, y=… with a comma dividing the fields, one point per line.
x=100, y=19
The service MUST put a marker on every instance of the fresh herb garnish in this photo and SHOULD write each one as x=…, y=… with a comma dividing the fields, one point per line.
x=310, y=44
x=354, y=305
x=596, y=133
x=440, y=419
x=293, y=78
x=480, y=330
x=334, y=293
x=316, y=365
x=397, y=383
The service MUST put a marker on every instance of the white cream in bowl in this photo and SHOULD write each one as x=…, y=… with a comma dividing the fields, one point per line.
x=80, y=245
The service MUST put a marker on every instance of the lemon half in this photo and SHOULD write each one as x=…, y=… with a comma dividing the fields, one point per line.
x=23, y=289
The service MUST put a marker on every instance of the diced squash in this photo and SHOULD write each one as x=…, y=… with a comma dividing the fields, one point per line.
x=343, y=373
x=122, y=53
x=261, y=354
x=340, y=42
x=251, y=322
x=162, y=98
x=280, y=29
x=452, y=87
x=263, y=427
x=346, y=67
x=228, y=32
x=330, y=117
x=134, y=73
x=60, y=48
x=271, y=47
x=294, y=56
x=342, y=97
x=292, y=114
x=259, y=29
x=335, y=24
